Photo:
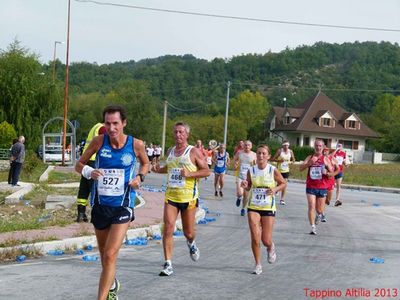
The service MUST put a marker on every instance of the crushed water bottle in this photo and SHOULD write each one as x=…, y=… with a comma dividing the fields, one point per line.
x=79, y=252
x=55, y=252
x=156, y=237
x=377, y=260
x=210, y=219
x=178, y=233
x=20, y=258
x=140, y=241
x=88, y=247
x=90, y=258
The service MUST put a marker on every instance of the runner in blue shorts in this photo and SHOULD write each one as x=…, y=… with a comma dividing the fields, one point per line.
x=114, y=190
x=221, y=160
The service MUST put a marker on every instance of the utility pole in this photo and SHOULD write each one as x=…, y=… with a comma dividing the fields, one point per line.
x=164, y=127
x=226, y=112
x=64, y=141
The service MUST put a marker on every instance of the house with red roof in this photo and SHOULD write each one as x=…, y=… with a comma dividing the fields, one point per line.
x=320, y=117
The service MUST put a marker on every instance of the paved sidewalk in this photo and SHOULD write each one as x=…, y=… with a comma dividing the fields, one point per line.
x=148, y=214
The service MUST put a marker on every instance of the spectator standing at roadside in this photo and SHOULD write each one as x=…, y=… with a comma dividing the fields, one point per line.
x=17, y=160
x=11, y=169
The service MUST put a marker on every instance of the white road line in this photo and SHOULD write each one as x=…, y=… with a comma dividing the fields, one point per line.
x=21, y=265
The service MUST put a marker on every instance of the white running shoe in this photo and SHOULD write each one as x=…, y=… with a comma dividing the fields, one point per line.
x=167, y=270
x=193, y=251
x=271, y=254
x=282, y=202
x=257, y=270
x=313, y=230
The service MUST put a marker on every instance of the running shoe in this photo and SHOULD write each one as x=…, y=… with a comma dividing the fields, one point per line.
x=238, y=199
x=317, y=219
x=271, y=254
x=221, y=194
x=323, y=218
x=338, y=203
x=257, y=270
x=242, y=212
x=313, y=230
x=216, y=194
x=193, y=251
x=282, y=202
x=112, y=293
x=167, y=270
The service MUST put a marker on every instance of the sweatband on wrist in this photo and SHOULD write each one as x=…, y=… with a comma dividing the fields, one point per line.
x=87, y=172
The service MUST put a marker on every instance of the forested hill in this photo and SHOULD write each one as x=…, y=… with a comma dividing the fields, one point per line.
x=353, y=74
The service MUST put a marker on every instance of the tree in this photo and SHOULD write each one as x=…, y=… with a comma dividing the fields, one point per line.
x=28, y=98
x=385, y=119
x=251, y=110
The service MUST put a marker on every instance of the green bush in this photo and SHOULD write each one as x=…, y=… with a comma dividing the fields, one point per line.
x=32, y=161
x=7, y=134
x=300, y=153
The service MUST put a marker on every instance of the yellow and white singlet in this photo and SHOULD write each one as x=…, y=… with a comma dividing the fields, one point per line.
x=181, y=189
x=246, y=160
x=261, y=181
x=283, y=166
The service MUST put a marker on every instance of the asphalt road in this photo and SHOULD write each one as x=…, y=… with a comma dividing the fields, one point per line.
x=336, y=261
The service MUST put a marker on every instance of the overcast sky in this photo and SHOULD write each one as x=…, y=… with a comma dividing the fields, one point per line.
x=105, y=34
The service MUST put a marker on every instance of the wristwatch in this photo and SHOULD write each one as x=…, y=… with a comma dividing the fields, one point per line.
x=141, y=177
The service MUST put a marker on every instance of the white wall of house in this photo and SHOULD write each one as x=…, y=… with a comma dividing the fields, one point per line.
x=334, y=139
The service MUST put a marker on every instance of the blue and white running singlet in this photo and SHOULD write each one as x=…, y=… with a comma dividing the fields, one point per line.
x=220, y=163
x=118, y=166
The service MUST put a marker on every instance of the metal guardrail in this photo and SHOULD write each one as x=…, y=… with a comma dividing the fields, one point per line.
x=4, y=154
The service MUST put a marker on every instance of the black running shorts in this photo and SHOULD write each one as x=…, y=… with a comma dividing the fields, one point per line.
x=104, y=216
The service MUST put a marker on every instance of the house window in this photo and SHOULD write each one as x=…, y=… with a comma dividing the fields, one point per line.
x=326, y=141
x=351, y=124
x=326, y=122
x=353, y=145
x=286, y=120
x=306, y=141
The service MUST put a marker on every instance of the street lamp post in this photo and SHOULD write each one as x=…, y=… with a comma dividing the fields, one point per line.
x=54, y=59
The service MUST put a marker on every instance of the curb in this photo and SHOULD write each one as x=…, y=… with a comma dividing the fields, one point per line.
x=45, y=175
x=84, y=241
x=16, y=196
x=360, y=187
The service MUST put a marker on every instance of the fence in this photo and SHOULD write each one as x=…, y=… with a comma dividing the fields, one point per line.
x=4, y=154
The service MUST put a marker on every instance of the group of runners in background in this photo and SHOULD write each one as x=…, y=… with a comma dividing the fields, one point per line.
x=116, y=179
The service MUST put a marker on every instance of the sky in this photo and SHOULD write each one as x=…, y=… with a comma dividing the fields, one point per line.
x=105, y=34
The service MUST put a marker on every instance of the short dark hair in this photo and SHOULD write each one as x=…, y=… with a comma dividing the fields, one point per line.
x=110, y=109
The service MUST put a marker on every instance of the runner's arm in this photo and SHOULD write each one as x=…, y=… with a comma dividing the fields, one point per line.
x=202, y=166
x=93, y=147
x=280, y=181
x=292, y=158
x=306, y=163
x=277, y=153
x=140, y=153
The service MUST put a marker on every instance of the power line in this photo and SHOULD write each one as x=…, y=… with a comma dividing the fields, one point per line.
x=239, y=18
x=185, y=110
x=314, y=88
